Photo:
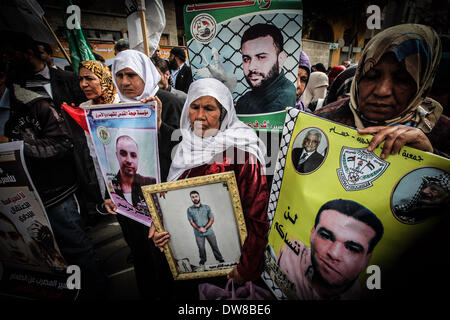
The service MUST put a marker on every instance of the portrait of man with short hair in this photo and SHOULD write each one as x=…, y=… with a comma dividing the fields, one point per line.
x=263, y=57
x=127, y=183
x=342, y=241
x=201, y=219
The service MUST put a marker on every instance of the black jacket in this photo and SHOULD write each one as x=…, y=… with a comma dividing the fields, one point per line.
x=184, y=79
x=66, y=88
x=311, y=164
x=47, y=146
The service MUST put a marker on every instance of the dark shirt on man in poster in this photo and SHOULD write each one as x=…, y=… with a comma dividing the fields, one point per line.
x=278, y=95
x=137, y=197
x=311, y=162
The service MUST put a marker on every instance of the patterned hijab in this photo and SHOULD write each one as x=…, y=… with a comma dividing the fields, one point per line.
x=106, y=81
x=418, y=49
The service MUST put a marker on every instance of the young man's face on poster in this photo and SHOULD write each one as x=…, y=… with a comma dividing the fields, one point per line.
x=127, y=155
x=339, y=248
x=260, y=61
x=195, y=197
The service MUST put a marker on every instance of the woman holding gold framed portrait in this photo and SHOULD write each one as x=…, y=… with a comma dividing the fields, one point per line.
x=214, y=141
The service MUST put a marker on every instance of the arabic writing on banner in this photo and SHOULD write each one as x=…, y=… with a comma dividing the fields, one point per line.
x=30, y=261
x=214, y=31
x=125, y=139
x=343, y=219
x=273, y=121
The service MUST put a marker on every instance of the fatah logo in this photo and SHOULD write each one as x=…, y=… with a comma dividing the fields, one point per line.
x=359, y=168
x=103, y=135
x=203, y=28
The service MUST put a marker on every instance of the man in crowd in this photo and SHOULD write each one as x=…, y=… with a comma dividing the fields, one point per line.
x=121, y=45
x=180, y=72
x=262, y=62
x=46, y=54
x=343, y=238
x=61, y=86
x=163, y=68
x=201, y=219
x=48, y=151
x=307, y=159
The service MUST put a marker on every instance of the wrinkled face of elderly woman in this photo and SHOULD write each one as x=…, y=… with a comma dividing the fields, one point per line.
x=385, y=90
x=129, y=83
x=204, y=116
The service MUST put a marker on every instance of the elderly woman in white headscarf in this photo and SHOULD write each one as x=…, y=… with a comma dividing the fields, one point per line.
x=136, y=79
x=214, y=141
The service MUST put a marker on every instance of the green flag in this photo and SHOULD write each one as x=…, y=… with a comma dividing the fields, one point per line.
x=80, y=49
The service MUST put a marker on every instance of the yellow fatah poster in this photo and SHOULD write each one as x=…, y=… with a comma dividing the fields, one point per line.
x=347, y=224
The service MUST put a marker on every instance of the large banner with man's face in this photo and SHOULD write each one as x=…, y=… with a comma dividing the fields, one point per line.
x=347, y=224
x=253, y=47
x=125, y=139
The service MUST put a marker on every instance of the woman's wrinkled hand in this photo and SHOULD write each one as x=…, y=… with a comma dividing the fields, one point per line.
x=110, y=206
x=395, y=138
x=159, y=238
x=159, y=103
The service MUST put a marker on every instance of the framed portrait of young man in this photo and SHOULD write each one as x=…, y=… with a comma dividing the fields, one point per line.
x=204, y=218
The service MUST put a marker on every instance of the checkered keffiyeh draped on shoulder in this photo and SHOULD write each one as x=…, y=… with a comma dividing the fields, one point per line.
x=418, y=49
x=106, y=81
x=442, y=180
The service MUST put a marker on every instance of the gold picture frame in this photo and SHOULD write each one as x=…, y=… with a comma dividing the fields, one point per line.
x=170, y=213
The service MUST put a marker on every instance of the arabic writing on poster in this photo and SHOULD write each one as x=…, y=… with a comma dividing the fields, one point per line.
x=264, y=4
x=283, y=235
x=257, y=125
x=405, y=154
x=122, y=114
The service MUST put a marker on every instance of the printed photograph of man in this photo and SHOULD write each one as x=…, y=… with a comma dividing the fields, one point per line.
x=306, y=159
x=14, y=243
x=127, y=183
x=431, y=198
x=201, y=219
x=39, y=249
x=342, y=240
x=262, y=62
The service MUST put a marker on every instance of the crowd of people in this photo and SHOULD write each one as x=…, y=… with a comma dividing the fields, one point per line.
x=385, y=94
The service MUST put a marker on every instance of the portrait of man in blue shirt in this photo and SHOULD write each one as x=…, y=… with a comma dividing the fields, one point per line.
x=201, y=219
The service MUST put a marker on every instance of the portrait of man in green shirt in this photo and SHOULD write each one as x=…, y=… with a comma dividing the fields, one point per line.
x=263, y=58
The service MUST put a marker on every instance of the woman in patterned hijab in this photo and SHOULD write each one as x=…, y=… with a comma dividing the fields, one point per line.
x=96, y=82
x=388, y=95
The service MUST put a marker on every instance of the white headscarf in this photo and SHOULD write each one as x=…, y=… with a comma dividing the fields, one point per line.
x=143, y=66
x=193, y=150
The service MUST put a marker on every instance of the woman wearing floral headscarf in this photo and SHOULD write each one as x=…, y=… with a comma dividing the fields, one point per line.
x=210, y=130
x=388, y=95
x=97, y=84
